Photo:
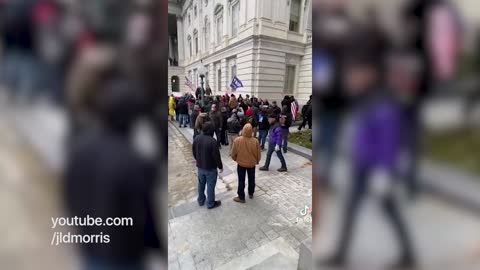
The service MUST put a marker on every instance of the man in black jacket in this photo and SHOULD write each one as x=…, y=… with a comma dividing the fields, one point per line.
x=106, y=178
x=207, y=154
x=183, y=111
x=263, y=126
x=307, y=115
x=217, y=120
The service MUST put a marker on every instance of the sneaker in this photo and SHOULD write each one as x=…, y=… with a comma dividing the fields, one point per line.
x=263, y=168
x=201, y=204
x=237, y=199
x=282, y=170
x=217, y=204
x=285, y=151
x=250, y=196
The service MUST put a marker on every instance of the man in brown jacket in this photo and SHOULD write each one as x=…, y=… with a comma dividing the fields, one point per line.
x=246, y=152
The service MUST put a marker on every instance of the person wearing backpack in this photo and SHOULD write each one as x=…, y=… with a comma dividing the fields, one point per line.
x=307, y=115
x=263, y=126
x=233, y=128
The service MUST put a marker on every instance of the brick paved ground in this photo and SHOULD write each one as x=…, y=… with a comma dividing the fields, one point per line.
x=267, y=225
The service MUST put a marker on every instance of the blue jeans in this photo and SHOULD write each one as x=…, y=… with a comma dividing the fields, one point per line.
x=207, y=178
x=242, y=171
x=19, y=73
x=271, y=149
x=262, y=137
x=99, y=264
x=285, y=132
x=183, y=119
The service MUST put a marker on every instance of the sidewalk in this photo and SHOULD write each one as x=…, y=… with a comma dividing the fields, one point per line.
x=260, y=234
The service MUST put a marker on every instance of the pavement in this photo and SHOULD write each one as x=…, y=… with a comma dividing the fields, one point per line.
x=264, y=232
x=29, y=197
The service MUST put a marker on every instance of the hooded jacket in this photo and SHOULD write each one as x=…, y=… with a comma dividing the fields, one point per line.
x=246, y=148
x=205, y=149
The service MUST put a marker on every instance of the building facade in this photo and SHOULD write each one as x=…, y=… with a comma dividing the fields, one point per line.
x=267, y=44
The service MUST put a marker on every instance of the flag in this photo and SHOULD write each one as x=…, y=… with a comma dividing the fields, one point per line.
x=189, y=83
x=236, y=83
x=293, y=108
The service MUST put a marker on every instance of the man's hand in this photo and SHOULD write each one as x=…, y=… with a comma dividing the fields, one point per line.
x=277, y=148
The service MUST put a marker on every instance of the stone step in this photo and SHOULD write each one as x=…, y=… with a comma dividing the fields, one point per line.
x=275, y=255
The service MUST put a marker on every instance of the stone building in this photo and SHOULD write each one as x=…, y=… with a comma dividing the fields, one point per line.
x=267, y=44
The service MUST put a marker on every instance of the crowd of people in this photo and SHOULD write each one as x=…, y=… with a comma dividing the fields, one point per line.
x=230, y=114
x=243, y=124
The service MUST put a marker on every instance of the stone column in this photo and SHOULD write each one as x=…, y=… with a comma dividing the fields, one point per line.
x=180, y=40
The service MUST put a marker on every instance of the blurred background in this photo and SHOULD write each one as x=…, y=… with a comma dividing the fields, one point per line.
x=80, y=88
x=396, y=153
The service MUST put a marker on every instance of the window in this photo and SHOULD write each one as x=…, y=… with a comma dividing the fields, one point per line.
x=207, y=34
x=235, y=15
x=219, y=80
x=206, y=76
x=234, y=71
x=195, y=37
x=195, y=11
x=294, y=16
x=219, y=29
x=189, y=20
x=289, y=79
x=190, y=45
x=219, y=23
x=195, y=75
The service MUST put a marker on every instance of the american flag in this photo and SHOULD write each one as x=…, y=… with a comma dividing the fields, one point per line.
x=293, y=109
x=189, y=84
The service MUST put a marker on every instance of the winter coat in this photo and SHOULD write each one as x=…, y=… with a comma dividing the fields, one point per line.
x=217, y=119
x=275, y=135
x=233, y=125
x=205, y=150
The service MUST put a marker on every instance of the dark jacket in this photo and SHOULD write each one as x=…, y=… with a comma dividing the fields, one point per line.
x=233, y=125
x=263, y=123
x=276, y=110
x=205, y=149
x=288, y=122
x=217, y=119
x=182, y=106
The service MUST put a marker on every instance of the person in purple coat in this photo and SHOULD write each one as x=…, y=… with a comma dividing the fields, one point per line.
x=376, y=147
x=275, y=140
